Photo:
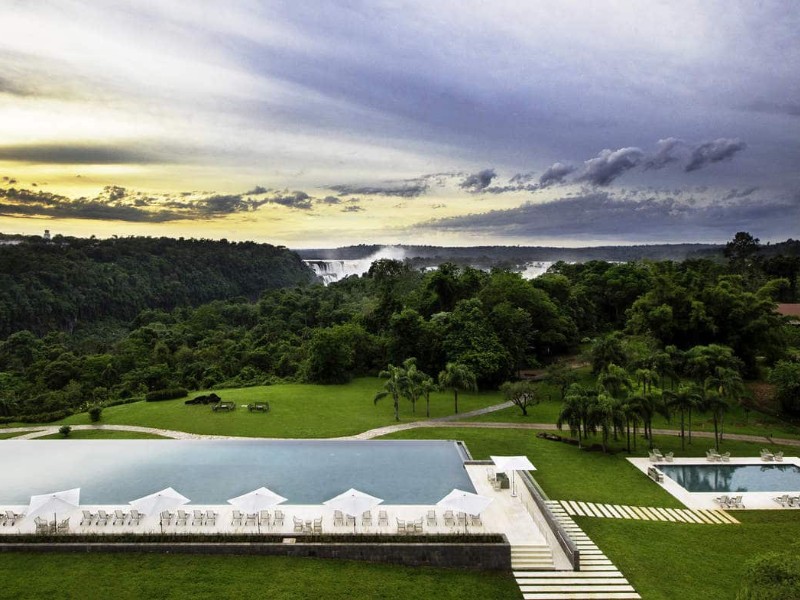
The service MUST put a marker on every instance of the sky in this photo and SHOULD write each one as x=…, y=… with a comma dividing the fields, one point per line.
x=455, y=122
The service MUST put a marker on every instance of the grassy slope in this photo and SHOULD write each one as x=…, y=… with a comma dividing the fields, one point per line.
x=296, y=411
x=164, y=576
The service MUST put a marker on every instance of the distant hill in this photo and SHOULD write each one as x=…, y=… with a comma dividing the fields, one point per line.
x=52, y=285
x=515, y=256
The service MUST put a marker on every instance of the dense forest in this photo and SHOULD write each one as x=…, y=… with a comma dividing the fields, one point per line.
x=65, y=282
x=494, y=323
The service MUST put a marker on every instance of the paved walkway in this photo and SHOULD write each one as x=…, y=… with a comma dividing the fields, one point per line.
x=643, y=513
x=455, y=421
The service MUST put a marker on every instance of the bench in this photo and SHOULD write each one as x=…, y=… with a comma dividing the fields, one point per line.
x=224, y=406
x=258, y=407
x=655, y=474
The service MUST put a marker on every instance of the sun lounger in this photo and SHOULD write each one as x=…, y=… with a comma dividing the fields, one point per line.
x=782, y=500
x=349, y=521
x=63, y=526
x=431, y=518
x=135, y=517
x=166, y=517
x=317, y=525
x=278, y=521
x=794, y=501
x=383, y=518
x=713, y=456
x=251, y=519
x=778, y=457
x=449, y=519
x=102, y=517
x=669, y=456
x=42, y=526
x=263, y=517
x=88, y=517
x=722, y=500
x=236, y=517
x=366, y=519
x=401, y=526
x=298, y=525
x=475, y=521
x=725, y=457
x=653, y=456
x=461, y=518
x=338, y=518
x=120, y=517
x=766, y=455
x=198, y=518
x=12, y=517
x=182, y=518
x=735, y=502
x=210, y=518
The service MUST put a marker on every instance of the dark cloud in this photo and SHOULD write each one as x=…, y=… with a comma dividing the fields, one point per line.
x=331, y=200
x=712, y=152
x=600, y=214
x=522, y=178
x=736, y=193
x=665, y=154
x=14, y=88
x=87, y=154
x=610, y=164
x=296, y=199
x=478, y=182
x=402, y=190
x=555, y=173
x=256, y=191
x=225, y=204
x=352, y=208
x=786, y=108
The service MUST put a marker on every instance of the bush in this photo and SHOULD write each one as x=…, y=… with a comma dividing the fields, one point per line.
x=771, y=576
x=47, y=417
x=65, y=430
x=167, y=394
x=94, y=413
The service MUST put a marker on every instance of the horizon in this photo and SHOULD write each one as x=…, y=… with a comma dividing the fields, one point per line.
x=455, y=125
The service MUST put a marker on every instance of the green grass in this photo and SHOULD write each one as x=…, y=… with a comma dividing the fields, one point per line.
x=296, y=411
x=664, y=561
x=6, y=435
x=166, y=576
x=103, y=434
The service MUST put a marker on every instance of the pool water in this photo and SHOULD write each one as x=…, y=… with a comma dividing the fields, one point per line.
x=735, y=478
x=211, y=471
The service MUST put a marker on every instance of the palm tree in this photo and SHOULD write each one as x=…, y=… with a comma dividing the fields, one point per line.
x=426, y=386
x=411, y=383
x=605, y=415
x=394, y=386
x=728, y=386
x=457, y=376
x=632, y=411
x=683, y=399
x=718, y=407
x=575, y=410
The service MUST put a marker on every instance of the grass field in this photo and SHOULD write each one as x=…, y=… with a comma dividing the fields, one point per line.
x=296, y=411
x=6, y=435
x=175, y=577
x=103, y=434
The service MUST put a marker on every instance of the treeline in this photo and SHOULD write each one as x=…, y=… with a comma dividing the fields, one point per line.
x=494, y=323
x=56, y=285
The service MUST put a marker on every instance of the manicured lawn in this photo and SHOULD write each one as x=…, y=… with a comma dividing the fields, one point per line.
x=166, y=576
x=665, y=561
x=103, y=434
x=296, y=411
x=5, y=436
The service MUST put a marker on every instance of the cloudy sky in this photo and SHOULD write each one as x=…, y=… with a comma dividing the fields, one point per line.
x=455, y=122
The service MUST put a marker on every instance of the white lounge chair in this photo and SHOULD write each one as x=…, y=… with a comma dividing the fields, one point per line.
x=102, y=517
x=42, y=526
x=278, y=521
x=198, y=518
x=298, y=525
x=783, y=500
x=338, y=518
x=88, y=517
x=766, y=455
x=63, y=526
x=383, y=518
x=475, y=521
x=778, y=457
x=236, y=517
x=401, y=526
x=366, y=519
x=725, y=457
x=735, y=502
x=449, y=519
x=12, y=517
x=120, y=517
x=431, y=518
x=263, y=517
x=713, y=456
x=722, y=500
x=182, y=518
x=669, y=456
x=251, y=519
x=135, y=517
x=317, y=526
x=210, y=518
x=166, y=517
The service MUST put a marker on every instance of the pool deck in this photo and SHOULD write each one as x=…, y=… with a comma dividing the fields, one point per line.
x=705, y=500
x=514, y=516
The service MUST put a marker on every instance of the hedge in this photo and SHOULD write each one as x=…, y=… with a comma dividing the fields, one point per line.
x=167, y=394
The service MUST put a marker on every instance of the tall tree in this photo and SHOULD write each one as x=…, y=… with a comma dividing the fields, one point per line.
x=396, y=379
x=684, y=399
x=457, y=377
x=521, y=394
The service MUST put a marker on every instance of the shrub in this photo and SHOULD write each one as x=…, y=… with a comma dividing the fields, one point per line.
x=771, y=576
x=65, y=430
x=94, y=413
x=167, y=394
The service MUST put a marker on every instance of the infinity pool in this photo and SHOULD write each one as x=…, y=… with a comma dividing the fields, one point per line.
x=211, y=471
x=735, y=478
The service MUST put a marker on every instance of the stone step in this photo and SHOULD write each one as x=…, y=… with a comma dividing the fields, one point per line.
x=567, y=574
x=578, y=588
x=544, y=581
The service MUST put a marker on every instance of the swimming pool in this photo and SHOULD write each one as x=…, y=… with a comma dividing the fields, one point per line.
x=211, y=471
x=735, y=478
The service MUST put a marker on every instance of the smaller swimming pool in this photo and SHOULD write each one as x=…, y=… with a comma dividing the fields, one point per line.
x=735, y=478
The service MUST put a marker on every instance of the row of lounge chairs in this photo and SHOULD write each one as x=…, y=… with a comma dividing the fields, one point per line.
x=239, y=518
x=656, y=456
x=729, y=501
x=182, y=518
x=117, y=517
x=713, y=456
x=768, y=456
x=310, y=526
x=787, y=501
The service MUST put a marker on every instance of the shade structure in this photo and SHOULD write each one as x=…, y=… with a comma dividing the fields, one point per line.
x=57, y=502
x=353, y=503
x=512, y=463
x=256, y=501
x=466, y=502
x=153, y=504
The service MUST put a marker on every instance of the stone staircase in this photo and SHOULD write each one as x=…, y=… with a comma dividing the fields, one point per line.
x=597, y=579
x=531, y=557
